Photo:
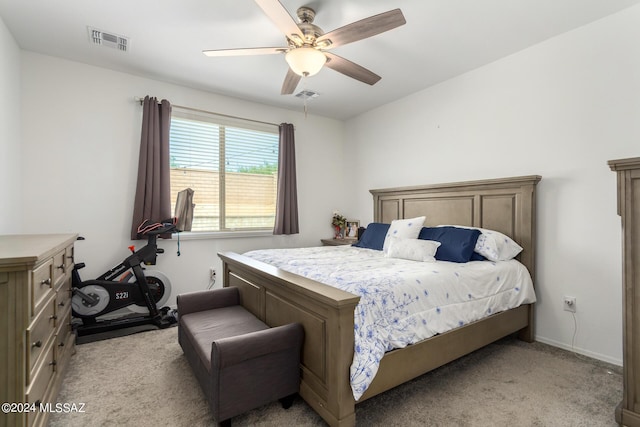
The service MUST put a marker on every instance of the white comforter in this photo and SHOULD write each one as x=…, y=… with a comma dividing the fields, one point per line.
x=403, y=302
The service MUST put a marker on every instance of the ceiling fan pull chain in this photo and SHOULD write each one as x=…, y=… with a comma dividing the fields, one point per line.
x=304, y=98
x=304, y=102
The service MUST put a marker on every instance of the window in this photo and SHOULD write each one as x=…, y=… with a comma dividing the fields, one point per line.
x=232, y=166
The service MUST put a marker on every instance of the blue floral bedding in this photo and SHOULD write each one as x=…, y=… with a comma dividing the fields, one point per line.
x=403, y=302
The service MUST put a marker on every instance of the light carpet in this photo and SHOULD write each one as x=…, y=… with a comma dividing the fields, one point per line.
x=144, y=380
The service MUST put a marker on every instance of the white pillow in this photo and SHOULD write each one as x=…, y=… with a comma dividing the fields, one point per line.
x=412, y=249
x=494, y=245
x=404, y=229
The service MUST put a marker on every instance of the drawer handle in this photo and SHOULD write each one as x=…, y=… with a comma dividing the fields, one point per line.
x=61, y=344
x=37, y=344
x=53, y=363
x=61, y=304
x=46, y=281
x=54, y=317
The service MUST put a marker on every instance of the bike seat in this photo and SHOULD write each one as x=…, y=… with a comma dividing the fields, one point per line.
x=79, y=265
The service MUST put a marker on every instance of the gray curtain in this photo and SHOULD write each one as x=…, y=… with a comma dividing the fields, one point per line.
x=287, y=200
x=153, y=190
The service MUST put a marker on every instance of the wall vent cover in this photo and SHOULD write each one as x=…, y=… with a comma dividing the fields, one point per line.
x=108, y=39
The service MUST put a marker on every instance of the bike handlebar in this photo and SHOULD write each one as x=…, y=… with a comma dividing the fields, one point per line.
x=163, y=230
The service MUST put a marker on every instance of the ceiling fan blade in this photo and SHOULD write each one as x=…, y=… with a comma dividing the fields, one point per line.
x=290, y=82
x=279, y=15
x=364, y=28
x=351, y=69
x=245, y=51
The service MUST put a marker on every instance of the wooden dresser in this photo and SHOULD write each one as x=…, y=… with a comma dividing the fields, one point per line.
x=628, y=170
x=36, y=340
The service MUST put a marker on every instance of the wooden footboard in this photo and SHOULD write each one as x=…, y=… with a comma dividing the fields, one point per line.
x=402, y=365
x=277, y=297
x=327, y=314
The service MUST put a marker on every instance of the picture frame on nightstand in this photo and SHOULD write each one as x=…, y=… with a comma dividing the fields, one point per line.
x=351, y=231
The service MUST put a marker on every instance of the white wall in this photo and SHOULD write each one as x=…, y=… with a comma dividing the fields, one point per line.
x=10, y=153
x=81, y=136
x=560, y=109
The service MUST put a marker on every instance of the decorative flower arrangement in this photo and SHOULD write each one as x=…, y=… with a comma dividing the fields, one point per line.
x=338, y=220
x=339, y=223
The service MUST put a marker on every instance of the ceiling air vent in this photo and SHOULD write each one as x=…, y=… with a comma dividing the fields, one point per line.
x=307, y=94
x=103, y=38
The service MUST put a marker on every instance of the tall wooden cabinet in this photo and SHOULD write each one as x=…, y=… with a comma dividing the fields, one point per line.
x=628, y=171
x=36, y=339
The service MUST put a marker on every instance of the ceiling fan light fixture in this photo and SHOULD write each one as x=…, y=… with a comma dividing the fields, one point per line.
x=305, y=61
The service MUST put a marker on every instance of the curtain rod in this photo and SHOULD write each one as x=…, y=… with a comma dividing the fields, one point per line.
x=141, y=101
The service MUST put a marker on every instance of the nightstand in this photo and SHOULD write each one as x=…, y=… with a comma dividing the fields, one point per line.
x=337, y=242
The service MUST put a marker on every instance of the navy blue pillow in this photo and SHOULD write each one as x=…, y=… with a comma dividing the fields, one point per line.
x=373, y=237
x=457, y=244
x=475, y=256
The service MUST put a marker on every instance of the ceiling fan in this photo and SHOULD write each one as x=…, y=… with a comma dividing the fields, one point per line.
x=307, y=45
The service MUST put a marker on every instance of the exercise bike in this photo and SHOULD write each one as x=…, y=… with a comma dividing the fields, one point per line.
x=128, y=284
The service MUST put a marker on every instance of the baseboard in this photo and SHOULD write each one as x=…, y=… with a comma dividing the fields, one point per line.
x=598, y=356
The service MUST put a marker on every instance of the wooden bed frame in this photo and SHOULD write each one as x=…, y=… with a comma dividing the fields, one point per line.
x=279, y=297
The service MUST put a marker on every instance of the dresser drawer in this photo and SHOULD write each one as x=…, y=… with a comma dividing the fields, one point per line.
x=59, y=267
x=39, y=334
x=63, y=325
x=37, y=390
x=63, y=296
x=68, y=258
x=62, y=341
x=41, y=285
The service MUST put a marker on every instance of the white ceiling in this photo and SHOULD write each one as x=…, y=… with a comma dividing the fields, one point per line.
x=441, y=39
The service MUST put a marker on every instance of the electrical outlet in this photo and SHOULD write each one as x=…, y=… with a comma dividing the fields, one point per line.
x=212, y=273
x=569, y=304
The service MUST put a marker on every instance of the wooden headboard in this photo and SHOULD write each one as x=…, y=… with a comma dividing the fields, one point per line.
x=507, y=205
